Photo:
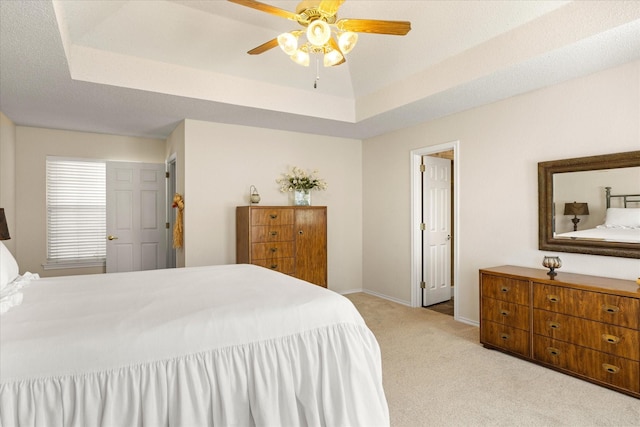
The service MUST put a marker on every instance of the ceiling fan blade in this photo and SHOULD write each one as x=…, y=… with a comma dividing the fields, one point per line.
x=396, y=28
x=335, y=46
x=267, y=8
x=264, y=47
x=330, y=7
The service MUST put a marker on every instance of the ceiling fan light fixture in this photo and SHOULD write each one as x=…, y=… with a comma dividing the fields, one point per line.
x=288, y=42
x=332, y=57
x=347, y=41
x=318, y=32
x=300, y=57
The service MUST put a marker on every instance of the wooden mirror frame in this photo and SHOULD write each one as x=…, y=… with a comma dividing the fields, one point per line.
x=546, y=170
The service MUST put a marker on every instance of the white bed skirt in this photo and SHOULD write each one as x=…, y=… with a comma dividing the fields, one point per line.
x=232, y=387
x=233, y=345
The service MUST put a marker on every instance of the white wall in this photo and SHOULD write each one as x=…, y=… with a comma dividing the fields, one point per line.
x=223, y=161
x=500, y=146
x=33, y=145
x=8, y=178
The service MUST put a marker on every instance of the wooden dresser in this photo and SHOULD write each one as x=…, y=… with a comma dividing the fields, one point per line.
x=585, y=326
x=288, y=239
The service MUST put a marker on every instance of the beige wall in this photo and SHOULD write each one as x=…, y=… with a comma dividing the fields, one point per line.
x=369, y=183
x=33, y=145
x=223, y=161
x=500, y=146
x=8, y=178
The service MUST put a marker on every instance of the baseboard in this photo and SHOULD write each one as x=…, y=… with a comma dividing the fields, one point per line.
x=467, y=321
x=387, y=297
x=351, y=291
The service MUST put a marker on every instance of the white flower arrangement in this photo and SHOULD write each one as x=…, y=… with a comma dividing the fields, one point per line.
x=298, y=179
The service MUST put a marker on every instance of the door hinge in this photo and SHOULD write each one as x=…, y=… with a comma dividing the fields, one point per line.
x=423, y=168
x=423, y=226
x=167, y=175
x=423, y=285
x=167, y=225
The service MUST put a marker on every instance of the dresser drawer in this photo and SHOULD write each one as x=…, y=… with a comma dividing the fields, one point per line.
x=599, y=336
x=272, y=250
x=272, y=216
x=283, y=265
x=505, y=289
x=613, y=309
x=609, y=369
x=506, y=313
x=271, y=233
x=505, y=337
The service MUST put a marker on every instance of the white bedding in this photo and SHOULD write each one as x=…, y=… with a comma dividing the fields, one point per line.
x=629, y=235
x=225, y=345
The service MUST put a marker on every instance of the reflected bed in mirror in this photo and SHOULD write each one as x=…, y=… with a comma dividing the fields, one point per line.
x=590, y=205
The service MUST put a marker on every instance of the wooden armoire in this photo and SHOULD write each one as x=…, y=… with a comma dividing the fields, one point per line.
x=288, y=239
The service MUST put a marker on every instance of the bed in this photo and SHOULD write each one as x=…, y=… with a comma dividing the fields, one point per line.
x=230, y=345
x=621, y=224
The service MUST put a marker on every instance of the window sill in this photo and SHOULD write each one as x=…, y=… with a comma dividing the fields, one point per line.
x=59, y=265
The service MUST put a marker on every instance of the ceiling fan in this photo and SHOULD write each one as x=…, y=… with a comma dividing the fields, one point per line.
x=325, y=34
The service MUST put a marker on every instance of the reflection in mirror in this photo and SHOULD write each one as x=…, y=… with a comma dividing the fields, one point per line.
x=576, y=215
x=587, y=219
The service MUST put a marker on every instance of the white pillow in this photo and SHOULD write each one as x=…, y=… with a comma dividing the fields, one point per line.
x=622, y=218
x=8, y=266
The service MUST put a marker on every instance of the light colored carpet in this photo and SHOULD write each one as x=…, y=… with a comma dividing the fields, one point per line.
x=436, y=373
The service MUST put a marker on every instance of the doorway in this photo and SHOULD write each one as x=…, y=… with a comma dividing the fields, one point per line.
x=171, y=212
x=446, y=248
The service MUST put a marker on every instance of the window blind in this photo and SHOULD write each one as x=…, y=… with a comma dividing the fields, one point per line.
x=76, y=210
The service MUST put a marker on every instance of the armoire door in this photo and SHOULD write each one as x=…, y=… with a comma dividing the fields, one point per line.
x=310, y=237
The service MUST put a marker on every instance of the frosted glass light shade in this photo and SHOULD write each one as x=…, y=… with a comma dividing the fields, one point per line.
x=288, y=43
x=300, y=57
x=318, y=33
x=332, y=57
x=347, y=41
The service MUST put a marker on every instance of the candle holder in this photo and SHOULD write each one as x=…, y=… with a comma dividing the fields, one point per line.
x=254, y=197
x=552, y=262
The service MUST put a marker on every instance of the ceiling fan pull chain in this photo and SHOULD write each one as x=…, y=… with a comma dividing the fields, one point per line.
x=315, y=83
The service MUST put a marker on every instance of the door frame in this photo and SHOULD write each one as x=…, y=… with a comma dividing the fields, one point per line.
x=416, y=215
x=171, y=165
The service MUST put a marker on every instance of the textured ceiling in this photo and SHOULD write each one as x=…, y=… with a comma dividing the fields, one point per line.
x=138, y=67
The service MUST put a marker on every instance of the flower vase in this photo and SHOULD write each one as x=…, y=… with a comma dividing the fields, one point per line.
x=302, y=197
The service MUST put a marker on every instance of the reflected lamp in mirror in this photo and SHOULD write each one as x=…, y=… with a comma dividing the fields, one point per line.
x=576, y=209
x=4, y=227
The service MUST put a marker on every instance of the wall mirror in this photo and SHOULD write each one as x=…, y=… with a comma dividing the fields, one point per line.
x=590, y=205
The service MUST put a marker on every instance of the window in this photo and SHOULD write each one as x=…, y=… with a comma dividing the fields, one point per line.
x=76, y=213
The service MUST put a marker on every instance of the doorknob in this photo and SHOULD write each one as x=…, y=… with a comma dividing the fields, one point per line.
x=112, y=237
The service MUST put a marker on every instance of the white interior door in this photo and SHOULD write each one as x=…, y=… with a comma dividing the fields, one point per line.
x=436, y=217
x=136, y=230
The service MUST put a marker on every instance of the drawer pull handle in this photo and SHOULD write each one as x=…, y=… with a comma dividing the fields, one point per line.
x=273, y=266
x=611, y=339
x=612, y=369
x=274, y=233
x=273, y=250
x=610, y=308
x=504, y=289
x=554, y=325
x=504, y=312
x=504, y=337
x=273, y=216
x=553, y=351
x=553, y=298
